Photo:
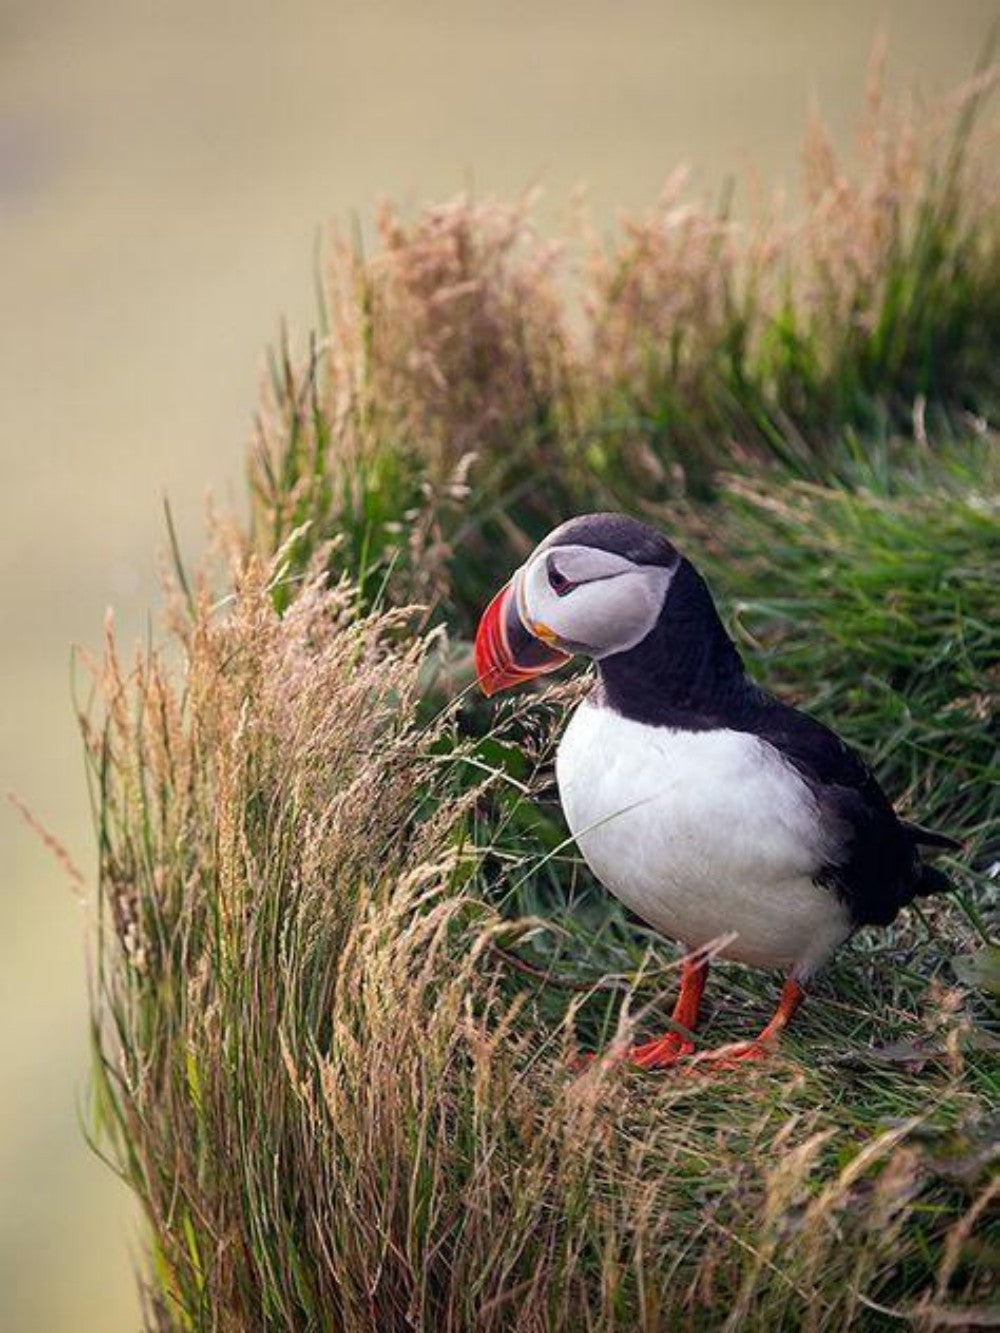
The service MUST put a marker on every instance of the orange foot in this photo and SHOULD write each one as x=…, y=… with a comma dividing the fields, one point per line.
x=667, y=1050
x=662, y=1052
x=746, y=1052
x=658, y=1054
x=731, y=1057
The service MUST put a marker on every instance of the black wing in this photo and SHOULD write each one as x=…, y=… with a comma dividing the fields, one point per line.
x=873, y=860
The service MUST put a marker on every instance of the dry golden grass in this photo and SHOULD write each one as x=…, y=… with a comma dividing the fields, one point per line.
x=474, y=383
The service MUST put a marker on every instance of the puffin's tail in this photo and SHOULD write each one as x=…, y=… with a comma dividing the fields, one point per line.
x=929, y=879
x=925, y=837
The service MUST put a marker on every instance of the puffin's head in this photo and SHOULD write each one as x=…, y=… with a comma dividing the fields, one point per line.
x=594, y=586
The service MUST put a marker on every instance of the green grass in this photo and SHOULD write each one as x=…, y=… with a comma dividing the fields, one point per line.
x=340, y=1097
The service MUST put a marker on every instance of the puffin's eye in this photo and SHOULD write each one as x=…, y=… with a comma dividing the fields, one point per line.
x=558, y=582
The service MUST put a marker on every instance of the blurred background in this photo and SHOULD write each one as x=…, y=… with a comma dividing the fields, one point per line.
x=165, y=172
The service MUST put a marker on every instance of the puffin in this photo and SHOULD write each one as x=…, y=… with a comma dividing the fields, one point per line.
x=726, y=819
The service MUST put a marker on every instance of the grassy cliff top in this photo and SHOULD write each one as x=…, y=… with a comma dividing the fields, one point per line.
x=339, y=1103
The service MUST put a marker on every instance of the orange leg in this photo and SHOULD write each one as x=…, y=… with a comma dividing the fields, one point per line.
x=669, y=1049
x=727, y=1057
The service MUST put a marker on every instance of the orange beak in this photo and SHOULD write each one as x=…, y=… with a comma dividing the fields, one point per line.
x=506, y=652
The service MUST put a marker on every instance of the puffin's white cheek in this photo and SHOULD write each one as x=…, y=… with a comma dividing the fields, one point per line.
x=619, y=613
x=554, y=618
x=609, y=612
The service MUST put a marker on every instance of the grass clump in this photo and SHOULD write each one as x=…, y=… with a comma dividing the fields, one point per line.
x=341, y=1108
x=473, y=384
x=346, y=958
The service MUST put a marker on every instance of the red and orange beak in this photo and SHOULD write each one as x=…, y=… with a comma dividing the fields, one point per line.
x=507, y=653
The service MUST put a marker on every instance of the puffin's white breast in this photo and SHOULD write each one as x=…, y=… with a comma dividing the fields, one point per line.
x=702, y=834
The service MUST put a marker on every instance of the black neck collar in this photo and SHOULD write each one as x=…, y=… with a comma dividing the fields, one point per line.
x=686, y=672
